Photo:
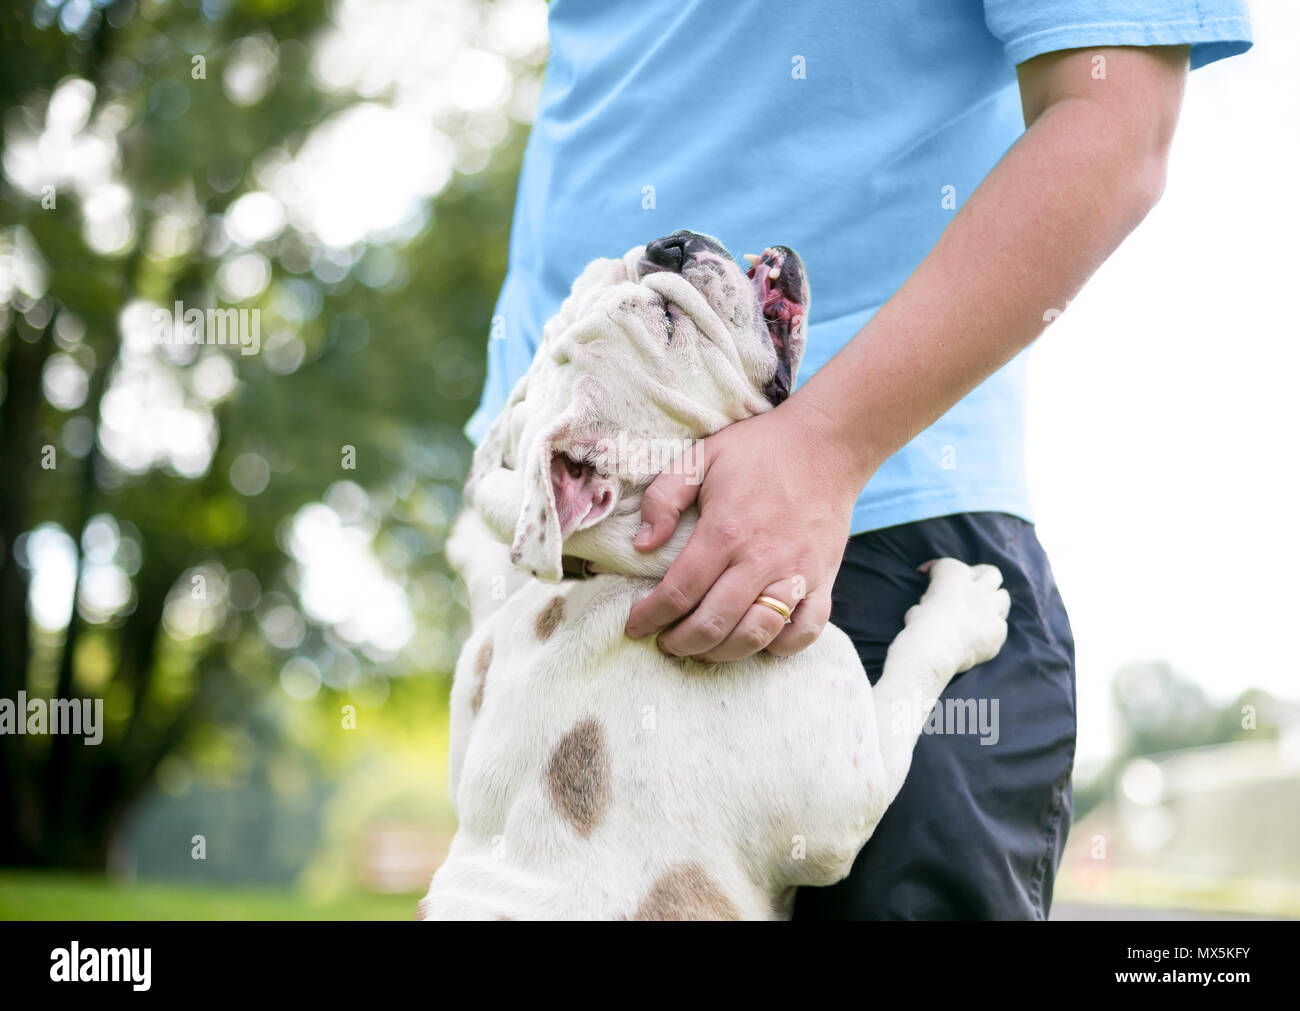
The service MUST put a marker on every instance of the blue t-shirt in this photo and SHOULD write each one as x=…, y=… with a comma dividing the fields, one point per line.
x=851, y=131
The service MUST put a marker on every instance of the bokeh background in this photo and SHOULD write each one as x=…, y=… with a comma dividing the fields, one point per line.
x=241, y=554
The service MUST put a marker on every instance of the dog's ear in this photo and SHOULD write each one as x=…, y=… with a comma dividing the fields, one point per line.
x=493, y=487
x=511, y=490
x=538, y=542
x=497, y=449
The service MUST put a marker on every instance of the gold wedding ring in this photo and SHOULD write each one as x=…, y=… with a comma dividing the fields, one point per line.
x=775, y=605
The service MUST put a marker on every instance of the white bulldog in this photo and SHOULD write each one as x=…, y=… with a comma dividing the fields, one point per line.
x=593, y=776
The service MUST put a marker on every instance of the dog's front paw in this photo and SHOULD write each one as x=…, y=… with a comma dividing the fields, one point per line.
x=966, y=610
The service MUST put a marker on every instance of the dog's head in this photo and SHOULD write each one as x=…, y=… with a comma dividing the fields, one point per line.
x=647, y=354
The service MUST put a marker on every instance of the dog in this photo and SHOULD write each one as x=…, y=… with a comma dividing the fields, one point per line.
x=593, y=776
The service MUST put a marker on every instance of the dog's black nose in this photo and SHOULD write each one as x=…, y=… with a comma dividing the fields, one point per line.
x=673, y=251
x=668, y=253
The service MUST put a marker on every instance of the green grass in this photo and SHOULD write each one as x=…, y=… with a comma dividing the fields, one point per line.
x=41, y=895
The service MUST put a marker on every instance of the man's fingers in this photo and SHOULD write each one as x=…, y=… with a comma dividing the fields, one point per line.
x=757, y=628
x=810, y=617
x=718, y=614
x=684, y=585
x=663, y=502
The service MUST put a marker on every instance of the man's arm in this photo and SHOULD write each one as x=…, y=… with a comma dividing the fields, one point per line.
x=778, y=489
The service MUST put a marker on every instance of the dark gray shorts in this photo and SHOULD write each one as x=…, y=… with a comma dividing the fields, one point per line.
x=977, y=831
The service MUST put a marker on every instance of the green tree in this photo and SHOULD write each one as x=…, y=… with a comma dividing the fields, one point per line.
x=370, y=360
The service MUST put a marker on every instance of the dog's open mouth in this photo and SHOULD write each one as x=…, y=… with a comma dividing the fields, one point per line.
x=777, y=277
x=584, y=495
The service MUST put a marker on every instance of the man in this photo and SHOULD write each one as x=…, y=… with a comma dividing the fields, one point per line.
x=952, y=172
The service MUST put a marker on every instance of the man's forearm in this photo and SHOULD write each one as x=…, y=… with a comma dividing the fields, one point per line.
x=1060, y=201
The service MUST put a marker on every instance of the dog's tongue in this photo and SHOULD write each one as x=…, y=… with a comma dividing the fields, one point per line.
x=580, y=493
x=782, y=311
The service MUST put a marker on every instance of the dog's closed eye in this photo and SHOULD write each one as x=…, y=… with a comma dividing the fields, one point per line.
x=668, y=321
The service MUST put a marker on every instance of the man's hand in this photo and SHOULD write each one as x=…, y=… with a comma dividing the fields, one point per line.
x=775, y=498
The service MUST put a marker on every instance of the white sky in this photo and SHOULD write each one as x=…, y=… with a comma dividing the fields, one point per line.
x=1164, y=416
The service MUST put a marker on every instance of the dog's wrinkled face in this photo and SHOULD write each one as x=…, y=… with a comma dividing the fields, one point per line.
x=647, y=354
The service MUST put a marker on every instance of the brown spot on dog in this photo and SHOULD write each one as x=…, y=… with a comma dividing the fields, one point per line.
x=578, y=776
x=481, y=664
x=484, y=659
x=549, y=618
x=686, y=892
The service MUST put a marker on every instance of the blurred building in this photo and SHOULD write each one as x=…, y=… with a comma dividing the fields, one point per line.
x=1210, y=827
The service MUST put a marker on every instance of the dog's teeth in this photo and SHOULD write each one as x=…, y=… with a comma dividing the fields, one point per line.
x=774, y=273
x=752, y=257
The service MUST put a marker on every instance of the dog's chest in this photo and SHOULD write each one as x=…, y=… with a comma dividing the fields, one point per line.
x=554, y=711
x=576, y=747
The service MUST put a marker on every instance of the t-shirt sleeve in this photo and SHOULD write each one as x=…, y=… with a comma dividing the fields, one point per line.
x=1214, y=29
